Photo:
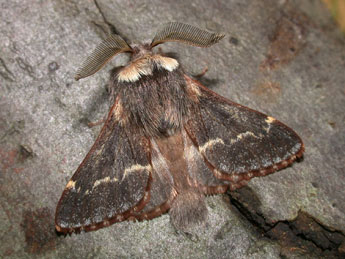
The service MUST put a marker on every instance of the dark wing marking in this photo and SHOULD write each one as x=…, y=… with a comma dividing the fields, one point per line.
x=236, y=142
x=111, y=184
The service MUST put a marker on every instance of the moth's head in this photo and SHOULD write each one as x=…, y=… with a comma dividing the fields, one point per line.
x=140, y=49
x=143, y=63
x=173, y=31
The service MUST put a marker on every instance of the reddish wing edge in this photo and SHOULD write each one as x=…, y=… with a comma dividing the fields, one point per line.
x=237, y=180
x=106, y=221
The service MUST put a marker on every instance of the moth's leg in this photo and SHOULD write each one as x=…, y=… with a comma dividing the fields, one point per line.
x=202, y=73
x=96, y=123
x=112, y=89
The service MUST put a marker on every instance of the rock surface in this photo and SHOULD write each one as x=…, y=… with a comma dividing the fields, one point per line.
x=284, y=58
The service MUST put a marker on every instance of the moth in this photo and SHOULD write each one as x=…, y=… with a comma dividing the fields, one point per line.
x=167, y=141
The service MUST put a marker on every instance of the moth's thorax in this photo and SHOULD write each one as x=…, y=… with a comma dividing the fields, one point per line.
x=143, y=63
x=153, y=95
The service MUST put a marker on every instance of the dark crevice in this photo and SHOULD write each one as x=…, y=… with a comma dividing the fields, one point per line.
x=111, y=28
x=304, y=235
x=5, y=72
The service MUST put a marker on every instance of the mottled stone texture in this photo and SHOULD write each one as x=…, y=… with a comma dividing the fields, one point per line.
x=284, y=58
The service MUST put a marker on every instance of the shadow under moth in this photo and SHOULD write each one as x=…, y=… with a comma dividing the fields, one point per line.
x=167, y=141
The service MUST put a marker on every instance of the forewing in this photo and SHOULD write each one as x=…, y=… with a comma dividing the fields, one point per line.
x=111, y=184
x=237, y=142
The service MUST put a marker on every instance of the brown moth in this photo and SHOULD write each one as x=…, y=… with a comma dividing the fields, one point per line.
x=167, y=142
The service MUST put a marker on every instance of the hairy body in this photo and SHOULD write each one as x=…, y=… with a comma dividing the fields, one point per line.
x=167, y=142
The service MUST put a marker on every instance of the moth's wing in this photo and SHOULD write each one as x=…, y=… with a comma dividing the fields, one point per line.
x=112, y=182
x=162, y=191
x=239, y=143
x=201, y=174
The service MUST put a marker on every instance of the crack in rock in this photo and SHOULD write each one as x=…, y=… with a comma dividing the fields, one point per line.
x=303, y=235
x=5, y=72
x=111, y=27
